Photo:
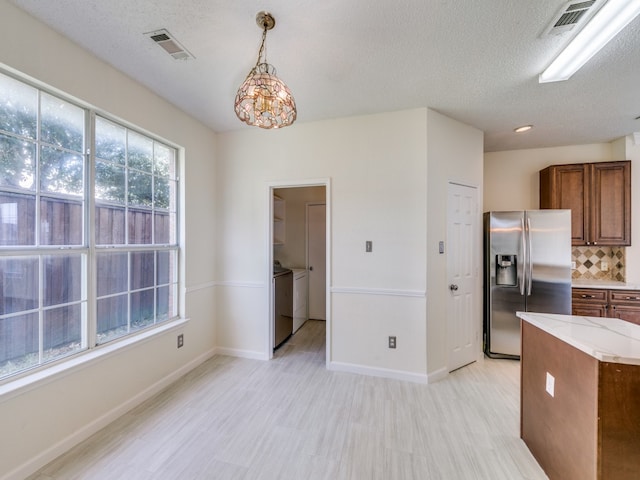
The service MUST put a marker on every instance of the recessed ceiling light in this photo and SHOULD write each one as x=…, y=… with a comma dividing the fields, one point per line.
x=523, y=128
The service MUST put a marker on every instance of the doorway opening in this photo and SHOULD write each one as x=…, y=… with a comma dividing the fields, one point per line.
x=298, y=241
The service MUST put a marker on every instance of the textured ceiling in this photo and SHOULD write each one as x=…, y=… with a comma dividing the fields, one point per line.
x=474, y=60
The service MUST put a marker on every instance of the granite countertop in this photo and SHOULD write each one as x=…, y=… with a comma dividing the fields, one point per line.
x=608, y=284
x=605, y=339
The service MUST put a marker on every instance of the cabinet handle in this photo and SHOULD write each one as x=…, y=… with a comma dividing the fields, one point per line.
x=587, y=296
x=632, y=298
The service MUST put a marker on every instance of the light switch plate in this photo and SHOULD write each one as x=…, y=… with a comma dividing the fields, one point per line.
x=551, y=384
x=368, y=246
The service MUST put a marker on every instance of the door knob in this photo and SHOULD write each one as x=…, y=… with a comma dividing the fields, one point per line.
x=453, y=287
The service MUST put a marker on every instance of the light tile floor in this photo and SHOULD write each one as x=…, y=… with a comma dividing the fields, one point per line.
x=290, y=418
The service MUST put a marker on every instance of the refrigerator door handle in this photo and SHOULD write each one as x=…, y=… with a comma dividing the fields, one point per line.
x=529, y=262
x=524, y=256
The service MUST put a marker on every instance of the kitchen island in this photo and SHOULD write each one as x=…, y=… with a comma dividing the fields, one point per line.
x=580, y=395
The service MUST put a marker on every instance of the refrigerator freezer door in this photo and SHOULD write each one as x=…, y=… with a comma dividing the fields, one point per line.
x=503, y=236
x=549, y=239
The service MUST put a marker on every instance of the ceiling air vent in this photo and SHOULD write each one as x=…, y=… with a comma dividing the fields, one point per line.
x=570, y=15
x=170, y=45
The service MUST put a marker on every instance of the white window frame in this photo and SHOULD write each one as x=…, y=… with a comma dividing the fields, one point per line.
x=90, y=350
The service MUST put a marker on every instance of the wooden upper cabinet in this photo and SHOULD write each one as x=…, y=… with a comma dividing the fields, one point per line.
x=611, y=203
x=567, y=186
x=599, y=197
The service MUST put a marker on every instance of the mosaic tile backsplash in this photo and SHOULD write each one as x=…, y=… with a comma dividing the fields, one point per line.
x=598, y=263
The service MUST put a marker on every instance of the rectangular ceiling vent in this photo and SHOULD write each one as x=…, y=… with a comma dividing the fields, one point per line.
x=570, y=15
x=170, y=45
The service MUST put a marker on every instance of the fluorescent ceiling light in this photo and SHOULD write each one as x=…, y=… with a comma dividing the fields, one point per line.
x=606, y=24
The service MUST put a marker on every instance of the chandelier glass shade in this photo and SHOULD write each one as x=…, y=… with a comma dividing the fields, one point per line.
x=263, y=100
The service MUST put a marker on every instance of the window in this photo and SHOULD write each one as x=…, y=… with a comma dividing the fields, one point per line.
x=88, y=242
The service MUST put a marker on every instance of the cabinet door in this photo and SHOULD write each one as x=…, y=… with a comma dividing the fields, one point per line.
x=567, y=186
x=611, y=203
x=629, y=313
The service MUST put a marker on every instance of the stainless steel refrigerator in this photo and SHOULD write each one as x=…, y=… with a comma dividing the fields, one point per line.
x=527, y=267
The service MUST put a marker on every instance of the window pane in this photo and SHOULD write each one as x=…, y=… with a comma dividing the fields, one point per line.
x=110, y=141
x=166, y=268
x=161, y=193
x=18, y=107
x=60, y=222
x=140, y=152
x=62, y=124
x=61, y=172
x=164, y=161
x=140, y=227
x=62, y=331
x=110, y=225
x=142, y=309
x=18, y=343
x=142, y=270
x=110, y=182
x=164, y=228
x=112, y=318
x=17, y=219
x=18, y=284
x=17, y=162
x=164, y=303
x=140, y=189
x=62, y=279
x=112, y=273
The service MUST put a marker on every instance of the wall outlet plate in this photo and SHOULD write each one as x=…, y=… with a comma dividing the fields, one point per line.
x=392, y=342
x=180, y=340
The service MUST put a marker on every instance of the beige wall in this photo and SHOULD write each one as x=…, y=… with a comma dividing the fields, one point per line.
x=389, y=176
x=376, y=166
x=41, y=422
x=454, y=155
x=511, y=177
x=511, y=181
x=293, y=254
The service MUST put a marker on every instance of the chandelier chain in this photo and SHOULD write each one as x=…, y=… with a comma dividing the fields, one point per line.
x=262, y=47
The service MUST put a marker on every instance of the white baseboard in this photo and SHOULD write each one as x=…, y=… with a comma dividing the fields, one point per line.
x=437, y=375
x=236, y=352
x=377, y=372
x=71, y=441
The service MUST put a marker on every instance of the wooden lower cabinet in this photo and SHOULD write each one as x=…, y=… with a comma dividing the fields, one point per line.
x=591, y=302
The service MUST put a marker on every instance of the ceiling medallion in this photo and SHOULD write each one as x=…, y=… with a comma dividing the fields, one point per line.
x=263, y=100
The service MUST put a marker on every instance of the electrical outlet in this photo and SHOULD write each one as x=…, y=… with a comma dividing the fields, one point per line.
x=604, y=266
x=573, y=265
x=551, y=384
x=392, y=342
x=368, y=246
x=180, y=340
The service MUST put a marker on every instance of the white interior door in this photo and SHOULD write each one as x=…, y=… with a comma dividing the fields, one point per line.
x=317, y=260
x=462, y=275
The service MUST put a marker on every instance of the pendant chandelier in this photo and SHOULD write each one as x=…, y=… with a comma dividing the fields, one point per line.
x=263, y=99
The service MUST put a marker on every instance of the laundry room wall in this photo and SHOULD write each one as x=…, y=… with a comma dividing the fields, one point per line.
x=292, y=253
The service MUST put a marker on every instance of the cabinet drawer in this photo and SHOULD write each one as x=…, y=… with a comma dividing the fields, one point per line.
x=624, y=296
x=588, y=294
